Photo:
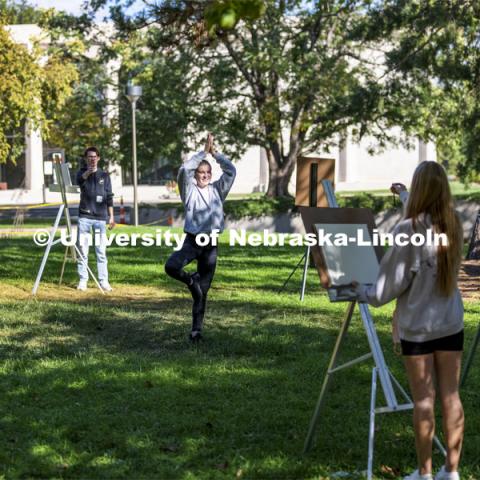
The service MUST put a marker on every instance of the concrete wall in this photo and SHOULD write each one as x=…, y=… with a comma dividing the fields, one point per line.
x=378, y=171
x=292, y=222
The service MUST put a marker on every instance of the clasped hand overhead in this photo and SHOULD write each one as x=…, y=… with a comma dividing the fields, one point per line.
x=209, y=146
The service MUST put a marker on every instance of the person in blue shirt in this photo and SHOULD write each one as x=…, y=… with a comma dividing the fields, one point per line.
x=203, y=203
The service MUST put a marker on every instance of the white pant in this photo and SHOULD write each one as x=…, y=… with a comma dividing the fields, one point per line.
x=97, y=232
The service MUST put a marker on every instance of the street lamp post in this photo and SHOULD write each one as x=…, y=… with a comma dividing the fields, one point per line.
x=134, y=92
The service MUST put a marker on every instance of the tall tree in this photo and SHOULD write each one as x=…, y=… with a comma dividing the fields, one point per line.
x=30, y=91
x=437, y=44
x=292, y=81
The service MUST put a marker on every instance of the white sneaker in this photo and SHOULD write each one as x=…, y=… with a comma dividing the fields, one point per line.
x=416, y=476
x=442, y=474
x=106, y=286
x=82, y=285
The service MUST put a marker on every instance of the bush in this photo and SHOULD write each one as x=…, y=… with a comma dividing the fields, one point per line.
x=253, y=208
x=376, y=203
x=256, y=207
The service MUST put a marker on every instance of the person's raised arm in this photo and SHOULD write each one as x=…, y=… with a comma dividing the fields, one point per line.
x=186, y=173
x=225, y=182
x=401, y=190
x=82, y=177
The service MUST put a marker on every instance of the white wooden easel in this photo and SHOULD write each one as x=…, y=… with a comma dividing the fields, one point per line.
x=63, y=185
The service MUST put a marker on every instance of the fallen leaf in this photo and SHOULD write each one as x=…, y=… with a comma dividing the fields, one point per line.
x=393, y=471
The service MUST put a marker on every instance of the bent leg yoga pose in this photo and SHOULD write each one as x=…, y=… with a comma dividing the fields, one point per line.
x=199, y=282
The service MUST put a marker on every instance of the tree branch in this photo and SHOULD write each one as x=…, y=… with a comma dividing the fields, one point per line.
x=258, y=89
x=411, y=54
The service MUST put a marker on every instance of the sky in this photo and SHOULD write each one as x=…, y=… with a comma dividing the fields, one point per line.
x=70, y=6
x=74, y=6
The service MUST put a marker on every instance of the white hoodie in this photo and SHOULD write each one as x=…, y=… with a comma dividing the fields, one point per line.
x=409, y=273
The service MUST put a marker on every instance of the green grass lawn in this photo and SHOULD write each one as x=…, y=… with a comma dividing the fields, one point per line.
x=108, y=386
x=458, y=188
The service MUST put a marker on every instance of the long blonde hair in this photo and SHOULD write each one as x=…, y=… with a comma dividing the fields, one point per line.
x=430, y=194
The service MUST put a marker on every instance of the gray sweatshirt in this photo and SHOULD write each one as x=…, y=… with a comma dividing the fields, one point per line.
x=408, y=273
x=204, y=207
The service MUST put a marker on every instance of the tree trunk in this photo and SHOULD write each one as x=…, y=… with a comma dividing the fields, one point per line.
x=278, y=185
x=279, y=177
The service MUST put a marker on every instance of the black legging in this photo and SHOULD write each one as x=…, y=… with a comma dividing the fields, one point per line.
x=206, y=262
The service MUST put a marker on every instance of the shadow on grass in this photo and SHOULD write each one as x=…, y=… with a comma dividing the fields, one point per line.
x=108, y=391
x=109, y=387
x=160, y=327
x=145, y=266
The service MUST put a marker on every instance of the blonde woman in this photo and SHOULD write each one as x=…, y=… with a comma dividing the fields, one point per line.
x=429, y=314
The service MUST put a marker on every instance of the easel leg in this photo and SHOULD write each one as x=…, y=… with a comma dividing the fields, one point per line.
x=313, y=422
x=47, y=250
x=69, y=230
x=63, y=266
x=291, y=274
x=371, y=431
x=378, y=356
x=469, y=361
x=304, y=276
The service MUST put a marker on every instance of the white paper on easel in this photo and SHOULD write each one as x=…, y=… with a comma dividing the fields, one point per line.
x=48, y=168
x=67, y=181
x=346, y=263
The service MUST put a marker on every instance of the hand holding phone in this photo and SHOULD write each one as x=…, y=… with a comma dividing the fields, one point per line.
x=397, y=188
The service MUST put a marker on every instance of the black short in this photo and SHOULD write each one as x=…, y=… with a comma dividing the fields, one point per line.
x=452, y=343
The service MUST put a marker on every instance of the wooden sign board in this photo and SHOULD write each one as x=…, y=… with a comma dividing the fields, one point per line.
x=338, y=265
x=310, y=173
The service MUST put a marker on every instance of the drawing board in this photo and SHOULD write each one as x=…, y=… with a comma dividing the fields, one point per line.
x=346, y=263
x=338, y=265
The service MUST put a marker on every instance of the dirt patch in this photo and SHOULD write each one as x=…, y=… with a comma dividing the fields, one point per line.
x=121, y=295
x=469, y=279
x=468, y=282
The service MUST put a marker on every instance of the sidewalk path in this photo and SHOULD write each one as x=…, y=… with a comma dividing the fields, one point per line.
x=469, y=279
